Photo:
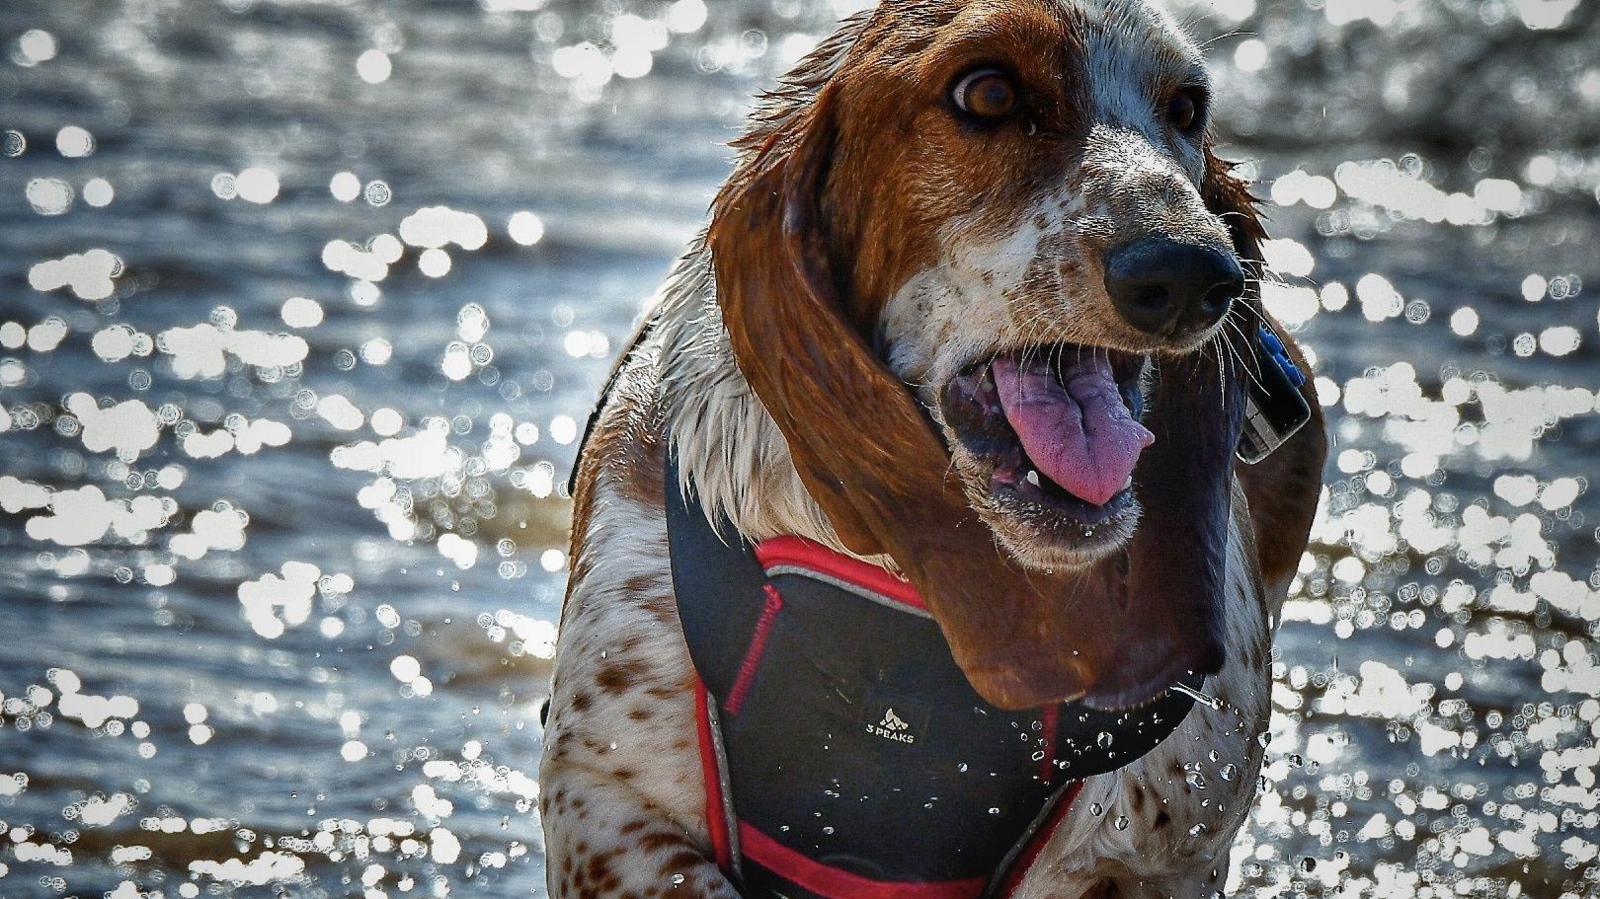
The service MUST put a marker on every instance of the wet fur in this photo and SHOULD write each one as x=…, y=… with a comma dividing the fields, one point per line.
x=622, y=797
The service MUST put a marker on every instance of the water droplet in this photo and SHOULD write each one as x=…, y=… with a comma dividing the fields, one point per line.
x=1103, y=741
x=1228, y=772
x=993, y=810
x=378, y=193
x=1096, y=809
x=677, y=879
x=1121, y=823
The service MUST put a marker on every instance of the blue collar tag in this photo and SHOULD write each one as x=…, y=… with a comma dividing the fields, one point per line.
x=1274, y=408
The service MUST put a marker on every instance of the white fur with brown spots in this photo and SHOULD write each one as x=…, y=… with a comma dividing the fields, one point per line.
x=622, y=796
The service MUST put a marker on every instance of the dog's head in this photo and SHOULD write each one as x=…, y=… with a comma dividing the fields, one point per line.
x=980, y=264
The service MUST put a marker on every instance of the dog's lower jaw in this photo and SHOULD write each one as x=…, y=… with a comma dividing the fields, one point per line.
x=1035, y=544
x=1037, y=552
x=1031, y=537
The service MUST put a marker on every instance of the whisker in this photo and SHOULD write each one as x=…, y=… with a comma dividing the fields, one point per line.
x=1248, y=362
x=1236, y=32
x=1222, y=369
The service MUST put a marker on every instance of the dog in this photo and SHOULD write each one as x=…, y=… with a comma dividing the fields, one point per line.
x=973, y=331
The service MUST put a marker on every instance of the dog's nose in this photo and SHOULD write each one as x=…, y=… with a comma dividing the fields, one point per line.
x=1171, y=289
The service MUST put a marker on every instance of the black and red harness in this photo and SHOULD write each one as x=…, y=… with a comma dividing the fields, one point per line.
x=845, y=754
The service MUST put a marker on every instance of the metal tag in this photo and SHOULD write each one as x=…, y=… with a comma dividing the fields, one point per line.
x=1274, y=409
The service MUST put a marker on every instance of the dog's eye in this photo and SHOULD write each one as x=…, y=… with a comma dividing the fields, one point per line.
x=1186, y=108
x=986, y=94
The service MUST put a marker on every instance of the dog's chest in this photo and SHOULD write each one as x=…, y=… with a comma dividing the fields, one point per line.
x=842, y=731
x=862, y=760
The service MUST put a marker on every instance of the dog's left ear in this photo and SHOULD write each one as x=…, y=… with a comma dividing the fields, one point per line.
x=1227, y=195
x=1177, y=560
x=1282, y=489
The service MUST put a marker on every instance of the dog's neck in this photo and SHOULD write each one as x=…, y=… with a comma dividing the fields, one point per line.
x=728, y=448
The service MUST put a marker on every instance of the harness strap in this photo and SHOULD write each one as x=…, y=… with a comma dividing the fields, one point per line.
x=707, y=564
x=1009, y=875
x=835, y=883
x=720, y=819
x=731, y=603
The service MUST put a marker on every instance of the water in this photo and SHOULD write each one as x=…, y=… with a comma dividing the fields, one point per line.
x=286, y=627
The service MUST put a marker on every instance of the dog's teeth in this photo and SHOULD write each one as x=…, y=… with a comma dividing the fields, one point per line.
x=1032, y=477
x=1129, y=482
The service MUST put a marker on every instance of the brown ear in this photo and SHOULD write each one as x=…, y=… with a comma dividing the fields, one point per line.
x=865, y=450
x=781, y=307
x=1282, y=489
x=870, y=457
x=1177, y=559
x=1176, y=563
x=1227, y=195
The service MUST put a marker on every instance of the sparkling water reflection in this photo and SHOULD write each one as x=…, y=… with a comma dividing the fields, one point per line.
x=302, y=306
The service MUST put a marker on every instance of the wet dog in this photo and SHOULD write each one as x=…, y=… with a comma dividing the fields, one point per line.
x=977, y=307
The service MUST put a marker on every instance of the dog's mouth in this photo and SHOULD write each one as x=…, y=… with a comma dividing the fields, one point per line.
x=1050, y=437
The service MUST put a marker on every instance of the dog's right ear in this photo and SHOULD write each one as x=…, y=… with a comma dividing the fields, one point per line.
x=811, y=369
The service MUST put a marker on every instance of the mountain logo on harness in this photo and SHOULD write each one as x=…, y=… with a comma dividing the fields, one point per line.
x=892, y=727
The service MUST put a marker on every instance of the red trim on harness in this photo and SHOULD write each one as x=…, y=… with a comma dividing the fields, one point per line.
x=1030, y=854
x=716, y=808
x=1050, y=721
x=833, y=883
x=758, y=646
x=803, y=553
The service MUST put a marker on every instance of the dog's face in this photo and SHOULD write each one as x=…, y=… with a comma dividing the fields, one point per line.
x=971, y=261
x=1014, y=202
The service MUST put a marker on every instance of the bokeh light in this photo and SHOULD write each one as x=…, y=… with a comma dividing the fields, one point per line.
x=305, y=305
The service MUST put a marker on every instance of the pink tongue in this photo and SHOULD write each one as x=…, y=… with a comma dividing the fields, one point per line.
x=1080, y=435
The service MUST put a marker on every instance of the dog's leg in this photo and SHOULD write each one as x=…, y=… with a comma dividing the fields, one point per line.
x=605, y=840
x=621, y=791
x=1202, y=881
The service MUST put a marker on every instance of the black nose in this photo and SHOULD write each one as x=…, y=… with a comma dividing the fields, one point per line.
x=1171, y=289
